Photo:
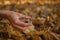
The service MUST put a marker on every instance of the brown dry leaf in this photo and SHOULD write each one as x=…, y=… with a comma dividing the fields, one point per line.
x=29, y=29
x=36, y=37
x=11, y=31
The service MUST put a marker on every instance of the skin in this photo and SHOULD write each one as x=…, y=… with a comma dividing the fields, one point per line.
x=13, y=17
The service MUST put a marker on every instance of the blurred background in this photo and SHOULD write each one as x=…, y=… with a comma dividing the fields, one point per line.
x=18, y=2
x=45, y=15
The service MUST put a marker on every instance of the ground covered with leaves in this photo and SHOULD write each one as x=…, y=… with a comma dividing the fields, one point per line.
x=45, y=19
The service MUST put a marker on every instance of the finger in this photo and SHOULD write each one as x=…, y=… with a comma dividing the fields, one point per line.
x=20, y=23
x=19, y=27
x=24, y=16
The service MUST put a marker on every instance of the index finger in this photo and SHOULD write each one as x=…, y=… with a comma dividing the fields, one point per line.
x=24, y=16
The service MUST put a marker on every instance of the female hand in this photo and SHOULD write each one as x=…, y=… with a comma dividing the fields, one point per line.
x=16, y=23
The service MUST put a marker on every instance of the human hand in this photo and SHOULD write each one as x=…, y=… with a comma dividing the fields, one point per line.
x=16, y=23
